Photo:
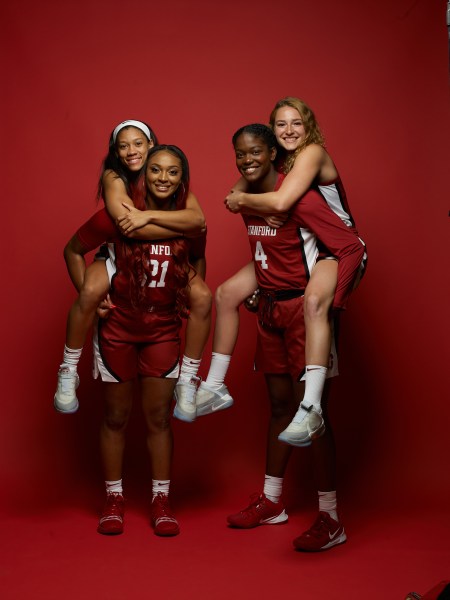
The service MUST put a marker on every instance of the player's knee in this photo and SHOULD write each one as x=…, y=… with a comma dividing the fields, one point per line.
x=116, y=421
x=91, y=294
x=316, y=305
x=201, y=299
x=159, y=422
x=225, y=297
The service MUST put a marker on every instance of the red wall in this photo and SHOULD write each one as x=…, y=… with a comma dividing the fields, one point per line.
x=376, y=75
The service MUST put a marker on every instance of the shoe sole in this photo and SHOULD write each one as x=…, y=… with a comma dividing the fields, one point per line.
x=67, y=411
x=210, y=408
x=166, y=534
x=280, y=519
x=182, y=416
x=336, y=542
x=109, y=532
x=301, y=443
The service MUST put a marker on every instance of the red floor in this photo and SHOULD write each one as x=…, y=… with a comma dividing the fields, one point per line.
x=57, y=554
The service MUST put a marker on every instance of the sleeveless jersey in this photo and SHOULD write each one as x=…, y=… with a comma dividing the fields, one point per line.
x=284, y=257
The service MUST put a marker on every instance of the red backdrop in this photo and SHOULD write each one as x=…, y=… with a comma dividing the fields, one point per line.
x=377, y=77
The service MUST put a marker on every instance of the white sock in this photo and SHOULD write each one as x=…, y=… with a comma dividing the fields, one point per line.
x=327, y=503
x=217, y=370
x=189, y=369
x=273, y=486
x=314, y=382
x=160, y=486
x=71, y=358
x=114, y=487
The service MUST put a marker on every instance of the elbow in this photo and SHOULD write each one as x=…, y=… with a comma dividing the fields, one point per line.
x=200, y=224
x=282, y=206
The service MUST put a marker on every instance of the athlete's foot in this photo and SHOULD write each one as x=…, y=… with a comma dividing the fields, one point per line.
x=65, y=399
x=184, y=395
x=209, y=400
x=307, y=425
x=324, y=534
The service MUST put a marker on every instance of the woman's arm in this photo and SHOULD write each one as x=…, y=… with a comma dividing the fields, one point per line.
x=189, y=219
x=307, y=167
x=114, y=194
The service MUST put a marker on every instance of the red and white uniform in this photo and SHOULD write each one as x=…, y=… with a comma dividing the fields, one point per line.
x=140, y=340
x=283, y=259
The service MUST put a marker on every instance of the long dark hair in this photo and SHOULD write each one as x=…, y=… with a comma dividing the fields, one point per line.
x=137, y=253
x=133, y=181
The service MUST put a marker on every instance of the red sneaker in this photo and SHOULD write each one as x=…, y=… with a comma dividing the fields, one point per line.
x=111, y=520
x=324, y=534
x=260, y=511
x=163, y=521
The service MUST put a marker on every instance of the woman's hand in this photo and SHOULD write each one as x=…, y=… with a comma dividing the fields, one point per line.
x=132, y=219
x=104, y=307
x=276, y=221
x=232, y=201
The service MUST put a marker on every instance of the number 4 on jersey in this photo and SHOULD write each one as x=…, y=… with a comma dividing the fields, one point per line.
x=261, y=256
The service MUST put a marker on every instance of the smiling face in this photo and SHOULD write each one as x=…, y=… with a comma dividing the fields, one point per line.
x=288, y=128
x=254, y=159
x=132, y=147
x=164, y=175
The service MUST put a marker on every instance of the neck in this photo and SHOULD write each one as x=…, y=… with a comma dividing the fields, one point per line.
x=266, y=184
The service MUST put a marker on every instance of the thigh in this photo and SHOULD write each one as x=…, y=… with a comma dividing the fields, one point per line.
x=157, y=396
x=240, y=286
x=323, y=279
x=118, y=400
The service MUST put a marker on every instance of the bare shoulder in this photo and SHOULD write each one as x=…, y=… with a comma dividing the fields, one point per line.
x=111, y=179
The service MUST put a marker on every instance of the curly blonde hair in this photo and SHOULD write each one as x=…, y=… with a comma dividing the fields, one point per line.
x=313, y=134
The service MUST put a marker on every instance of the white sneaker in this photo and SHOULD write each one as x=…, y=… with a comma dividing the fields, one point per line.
x=306, y=426
x=65, y=400
x=184, y=395
x=209, y=400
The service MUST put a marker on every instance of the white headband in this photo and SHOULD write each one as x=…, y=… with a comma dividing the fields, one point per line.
x=142, y=126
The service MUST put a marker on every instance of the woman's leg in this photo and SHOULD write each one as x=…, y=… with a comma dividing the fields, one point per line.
x=229, y=296
x=157, y=394
x=199, y=322
x=83, y=310
x=212, y=394
x=80, y=319
x=156, y=402
x=119, y=399
x=118, y=402
x=319, y=297
x=267, y=508
x=197, y=333
x=327, y=530
x=308, y=422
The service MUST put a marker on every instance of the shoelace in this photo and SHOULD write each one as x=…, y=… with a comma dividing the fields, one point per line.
x=162, y=509
x=68, y=381
x=113, y=507
x=255, y=505
x=319, y=528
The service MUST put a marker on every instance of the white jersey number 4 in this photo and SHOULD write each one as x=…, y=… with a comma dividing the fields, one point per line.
x=261, y=256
